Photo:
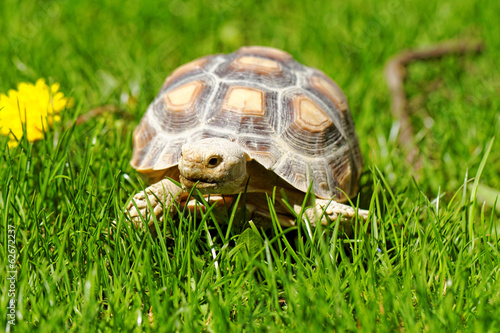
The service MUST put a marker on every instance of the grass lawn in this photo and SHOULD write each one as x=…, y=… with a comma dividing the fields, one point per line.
x=431, y=263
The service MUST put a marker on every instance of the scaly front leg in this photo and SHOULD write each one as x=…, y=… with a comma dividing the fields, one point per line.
x=325, y=210
x=159, y=195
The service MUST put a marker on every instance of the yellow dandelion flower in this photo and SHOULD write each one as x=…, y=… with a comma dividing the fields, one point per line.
x=33, y=106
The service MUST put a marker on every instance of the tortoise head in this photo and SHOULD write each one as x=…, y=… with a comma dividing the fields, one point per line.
x=214, y=166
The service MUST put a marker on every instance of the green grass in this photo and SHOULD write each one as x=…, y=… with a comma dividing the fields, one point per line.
x=430, y=263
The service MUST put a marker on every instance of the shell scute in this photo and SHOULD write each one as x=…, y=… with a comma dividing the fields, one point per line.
x=191, y=68
x=329, y=90
x=264, y=151
x=143, y=137
x=309, y=116
x=295, y=171
x=259, y=65
x=311, y=130
x=264, y=51
x=244, y=101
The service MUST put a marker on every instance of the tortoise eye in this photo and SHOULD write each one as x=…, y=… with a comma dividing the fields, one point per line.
x=214, y=161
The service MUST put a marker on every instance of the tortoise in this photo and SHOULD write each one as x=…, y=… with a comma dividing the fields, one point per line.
x=254, y=120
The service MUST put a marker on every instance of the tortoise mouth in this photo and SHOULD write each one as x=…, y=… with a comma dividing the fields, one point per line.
x=189, y=183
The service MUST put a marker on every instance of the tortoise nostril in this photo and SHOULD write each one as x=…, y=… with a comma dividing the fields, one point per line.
x=214, y=161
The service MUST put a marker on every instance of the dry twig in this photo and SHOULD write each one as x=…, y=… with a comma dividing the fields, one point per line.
x=395, y=72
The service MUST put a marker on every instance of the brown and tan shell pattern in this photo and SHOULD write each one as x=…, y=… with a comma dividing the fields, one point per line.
x=292, y=119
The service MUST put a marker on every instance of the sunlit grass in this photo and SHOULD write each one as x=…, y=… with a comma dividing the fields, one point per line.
x=427, y=260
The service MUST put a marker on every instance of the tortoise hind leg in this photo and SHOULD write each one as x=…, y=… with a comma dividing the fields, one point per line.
x=160, y=195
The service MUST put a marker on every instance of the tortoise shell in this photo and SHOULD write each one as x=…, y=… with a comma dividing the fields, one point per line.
x=292, y=119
